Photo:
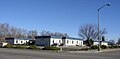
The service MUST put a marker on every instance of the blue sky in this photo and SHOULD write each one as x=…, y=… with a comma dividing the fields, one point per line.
x=64, y=16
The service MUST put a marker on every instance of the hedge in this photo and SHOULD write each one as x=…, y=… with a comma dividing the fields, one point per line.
x=21, y=47
x=51, y=48
x=32, y=47
x=103, y=46
x=94, y=47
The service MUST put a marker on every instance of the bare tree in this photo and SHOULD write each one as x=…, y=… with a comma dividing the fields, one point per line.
x=10, y=31
x=13, y=32
x=90, y=31
x=2, y=40
x=44, y=33
x=4, y=29
x=48, y=33
x=32, y=34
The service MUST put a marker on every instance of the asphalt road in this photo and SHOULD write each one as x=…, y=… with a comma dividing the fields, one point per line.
x=39, y=54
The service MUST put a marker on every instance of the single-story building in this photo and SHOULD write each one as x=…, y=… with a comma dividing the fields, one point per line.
x=31, y=42
x=2, y=44
x=69, y=41
x=102, y=43
x=17, y=40
x=47, y=40
x=50, y=40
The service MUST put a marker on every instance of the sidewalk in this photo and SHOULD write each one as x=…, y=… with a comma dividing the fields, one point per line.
x=107, y=50
x=94, y=51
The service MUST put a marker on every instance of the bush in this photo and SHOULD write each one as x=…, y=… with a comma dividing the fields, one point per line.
x=94, y=47
x=111, y=47
x=103, y=46
x=51, y=48
x=55, y=44
x=32, y=47
x=20, y=46
x=9, y=46
x=62, y=44
x=115, y=46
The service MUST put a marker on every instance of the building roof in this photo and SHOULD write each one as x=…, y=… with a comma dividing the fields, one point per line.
x=58, y=37
x=72, y=38
x=18, y=38
x=9, y=38
x=23, y=39
x=101, y=41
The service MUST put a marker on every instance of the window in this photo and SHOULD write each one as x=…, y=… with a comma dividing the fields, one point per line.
x=81, y=42
x=26, y=42
x=67, y=42
x=59, y=41
x=16, y=41
x=53, y=41
x=42, y=39
x=21, y=41
x=72, y=42
x=77, y=42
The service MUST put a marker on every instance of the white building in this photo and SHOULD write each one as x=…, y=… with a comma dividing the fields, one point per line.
x=69, y=41
x=102, y=43
x=50, y=40
x=2, y=44
x=17, y=40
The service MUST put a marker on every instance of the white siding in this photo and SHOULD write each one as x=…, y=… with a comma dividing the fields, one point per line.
x=72, y=42
x=102, y=43
x=2, y=44
x=55, y=40
x=95, y=43
x=16, y=41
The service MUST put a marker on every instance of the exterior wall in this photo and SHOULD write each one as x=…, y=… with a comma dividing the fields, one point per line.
x=102, y=43
x=95, y=43
x=17, y=41
x=2, y=44
x=71, y=42
x=10, y=41
x=42, y=41
x=55, y=40
x=50, y=40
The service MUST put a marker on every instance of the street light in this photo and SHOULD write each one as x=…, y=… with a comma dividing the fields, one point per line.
x=99, y=48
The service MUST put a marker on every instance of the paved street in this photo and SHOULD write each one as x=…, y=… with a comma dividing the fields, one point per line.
x=39, y=54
